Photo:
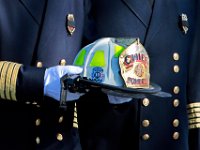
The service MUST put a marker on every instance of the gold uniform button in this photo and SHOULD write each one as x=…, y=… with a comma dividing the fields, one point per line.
x=176, y=103
x=176, y=123
x=60, y=120
x=146, y=102
x=37, y=122
x=145, y=137
x=145, y=123
x=176, y=90
x=34, y=103
x=63, y=62
x=176, y=56
x=176, y=69
x=59, y=137
x=28, y=102
x=39, y=64
x=176, y=135
x=37, y=140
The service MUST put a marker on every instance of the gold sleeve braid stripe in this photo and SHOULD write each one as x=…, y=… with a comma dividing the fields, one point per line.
x=192, y=105
x=8, y=79
x=14, y=81
x=3, y=79
x=193, y=110
x=194, y=126
x=194, y=115
x=75, y=121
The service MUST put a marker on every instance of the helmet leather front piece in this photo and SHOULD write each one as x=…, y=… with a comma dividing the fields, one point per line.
x=121, y=62
x=134, y=66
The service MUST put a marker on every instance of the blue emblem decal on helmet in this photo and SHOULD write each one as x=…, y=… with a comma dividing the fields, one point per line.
x=97, y=74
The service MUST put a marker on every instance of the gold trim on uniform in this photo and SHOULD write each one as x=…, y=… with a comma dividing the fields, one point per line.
x=194, y=115
x=14, y=81
x=192, y=105
x=195, y=120
x=75, y=115
x=75, y=125
x=75, y=121
x=8, y=80
x=194, y=110
x=3, y=79
x=194, y=126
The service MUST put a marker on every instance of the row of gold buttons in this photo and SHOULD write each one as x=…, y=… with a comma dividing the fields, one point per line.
x=176, y=91
x=59, y=136
x=38, y=120
x=146, y=123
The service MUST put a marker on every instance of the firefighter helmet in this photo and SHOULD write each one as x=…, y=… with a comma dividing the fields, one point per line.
x=121, y=62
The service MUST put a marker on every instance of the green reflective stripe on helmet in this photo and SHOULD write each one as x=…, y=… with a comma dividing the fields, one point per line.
x=80, y=58
x=98, y=59
x=118, y=50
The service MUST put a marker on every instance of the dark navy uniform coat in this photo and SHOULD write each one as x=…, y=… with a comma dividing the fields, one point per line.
x=34, y=33
x=151, y=123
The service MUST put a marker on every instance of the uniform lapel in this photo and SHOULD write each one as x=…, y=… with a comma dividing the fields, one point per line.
x=157, y=19
x=53, y=36
x=34, y=8
x=141, y=8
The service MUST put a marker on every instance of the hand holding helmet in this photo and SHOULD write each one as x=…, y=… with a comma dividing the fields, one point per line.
x=52, y=86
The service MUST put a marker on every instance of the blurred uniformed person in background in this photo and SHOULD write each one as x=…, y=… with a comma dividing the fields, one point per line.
x=35, y=35
x=166, y=29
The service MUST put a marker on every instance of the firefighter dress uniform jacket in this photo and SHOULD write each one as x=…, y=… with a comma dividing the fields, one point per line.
x=166, y=29
x=36, y=33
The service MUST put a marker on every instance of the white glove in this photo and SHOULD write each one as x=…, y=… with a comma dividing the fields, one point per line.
x=52, y=86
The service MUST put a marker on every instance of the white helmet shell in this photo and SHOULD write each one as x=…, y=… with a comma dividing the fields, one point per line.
x=100, y=60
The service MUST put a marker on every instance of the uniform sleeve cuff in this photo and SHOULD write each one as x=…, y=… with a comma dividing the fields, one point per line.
x=193, y=110
x=30, y=84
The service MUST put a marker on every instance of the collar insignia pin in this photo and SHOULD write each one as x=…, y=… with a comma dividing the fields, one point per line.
x=184, y=23
x=70, y=24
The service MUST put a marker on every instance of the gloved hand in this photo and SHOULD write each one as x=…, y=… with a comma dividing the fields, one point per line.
x=52, y=86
